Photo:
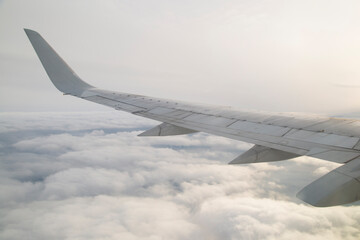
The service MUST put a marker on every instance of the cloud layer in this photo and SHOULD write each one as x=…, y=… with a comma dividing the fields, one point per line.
x=88, y=176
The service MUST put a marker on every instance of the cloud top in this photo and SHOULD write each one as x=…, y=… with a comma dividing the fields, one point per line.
x=66, y=176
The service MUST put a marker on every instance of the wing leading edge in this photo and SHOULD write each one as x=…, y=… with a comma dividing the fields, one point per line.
x=276, y=136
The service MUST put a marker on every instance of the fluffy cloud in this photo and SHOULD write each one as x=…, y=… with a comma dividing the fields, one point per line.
x=88, y=176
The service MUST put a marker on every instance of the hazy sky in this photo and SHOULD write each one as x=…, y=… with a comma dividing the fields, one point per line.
x=268, y=55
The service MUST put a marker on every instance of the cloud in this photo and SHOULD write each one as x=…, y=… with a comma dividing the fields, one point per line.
x=88, y=176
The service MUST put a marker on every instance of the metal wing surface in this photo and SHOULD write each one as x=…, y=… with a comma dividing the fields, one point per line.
x=277, y=136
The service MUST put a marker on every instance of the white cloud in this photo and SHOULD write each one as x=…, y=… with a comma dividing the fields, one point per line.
x=86, y=181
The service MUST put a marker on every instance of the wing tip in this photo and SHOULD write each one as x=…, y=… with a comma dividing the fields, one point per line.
x=30, y=31
x=59, y=72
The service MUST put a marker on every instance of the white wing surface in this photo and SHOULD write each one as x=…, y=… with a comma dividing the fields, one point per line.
x=276, y=136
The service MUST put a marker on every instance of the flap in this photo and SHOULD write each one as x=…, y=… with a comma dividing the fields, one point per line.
x=166, y=129
x=262, y=154
x=340, y=186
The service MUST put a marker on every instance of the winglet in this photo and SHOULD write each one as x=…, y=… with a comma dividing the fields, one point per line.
x=61, y=75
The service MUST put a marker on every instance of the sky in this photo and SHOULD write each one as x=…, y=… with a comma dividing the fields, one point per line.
x=297, y=56
x=72, y=169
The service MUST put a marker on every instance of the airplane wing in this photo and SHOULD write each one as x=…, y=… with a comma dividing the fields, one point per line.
x=276, y=136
